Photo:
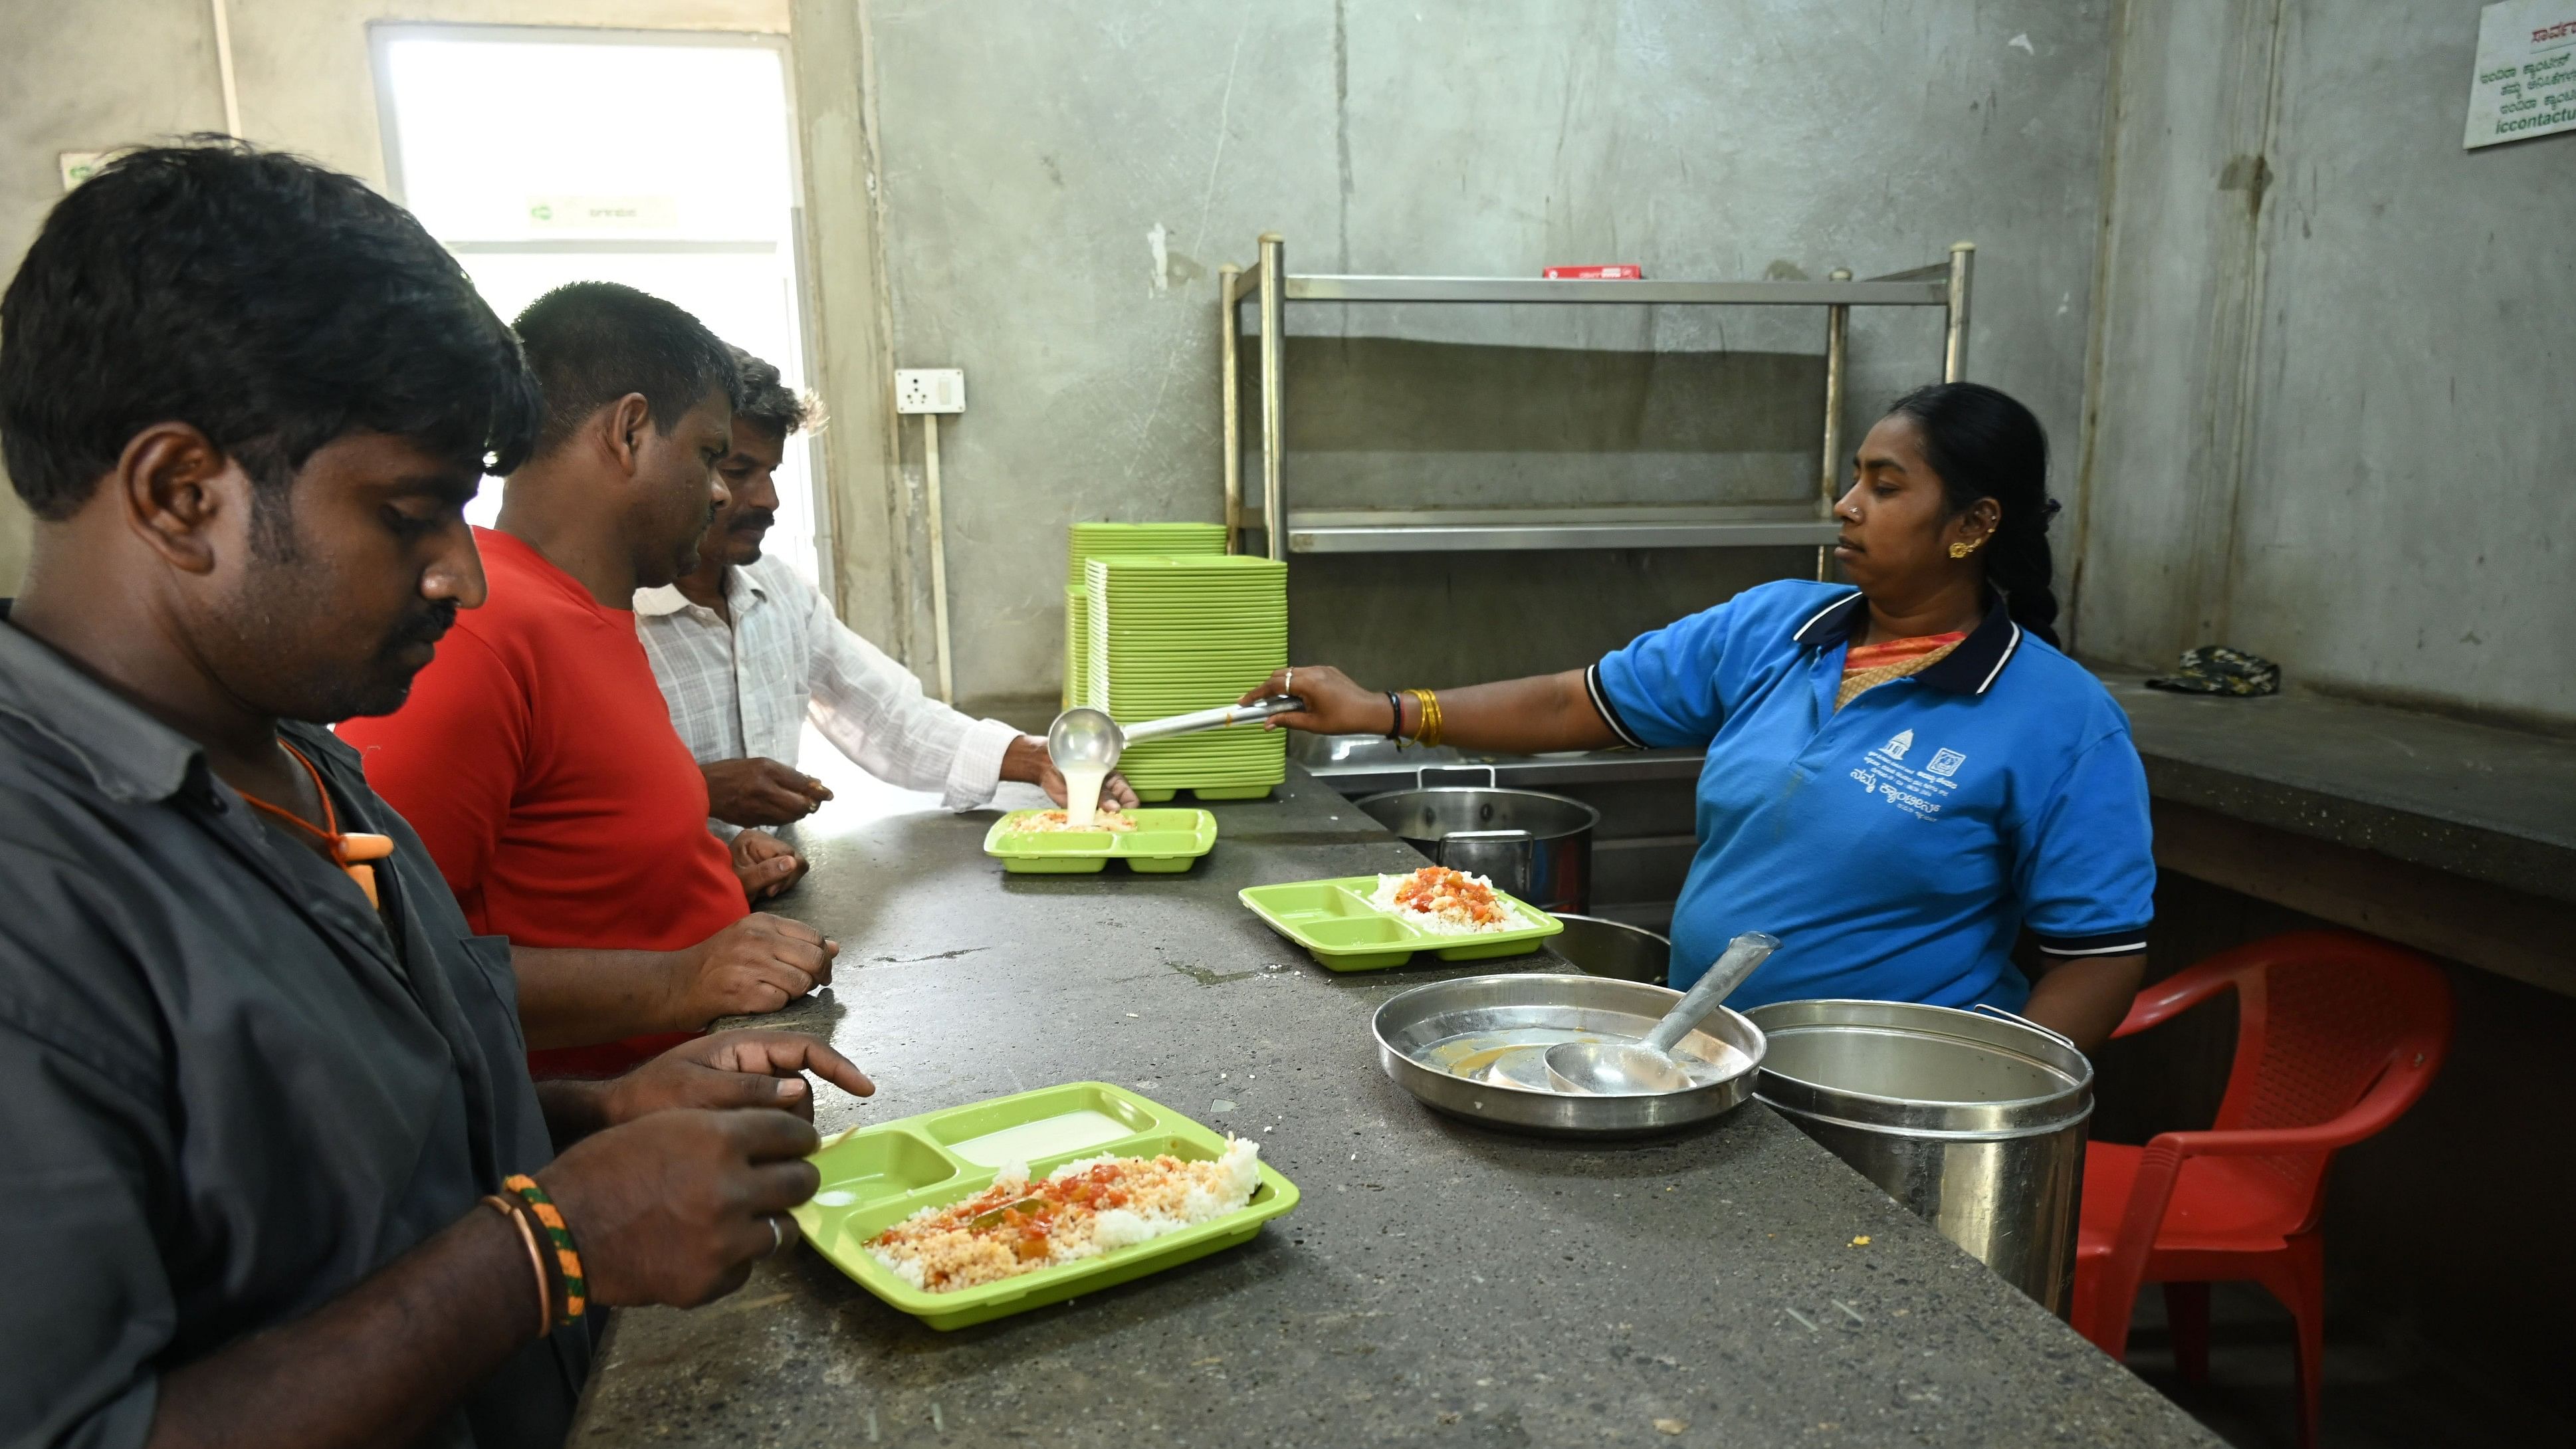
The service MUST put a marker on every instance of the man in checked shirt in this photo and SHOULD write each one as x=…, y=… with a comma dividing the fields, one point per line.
x=746, y=651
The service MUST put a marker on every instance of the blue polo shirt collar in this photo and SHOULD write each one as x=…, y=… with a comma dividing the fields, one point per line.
x=1972, y=668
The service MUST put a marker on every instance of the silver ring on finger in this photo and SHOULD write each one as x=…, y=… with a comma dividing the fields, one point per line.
x=777, y=1236
x=1288, y=682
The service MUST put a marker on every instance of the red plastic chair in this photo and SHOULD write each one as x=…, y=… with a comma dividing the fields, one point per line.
x=2337, y=1034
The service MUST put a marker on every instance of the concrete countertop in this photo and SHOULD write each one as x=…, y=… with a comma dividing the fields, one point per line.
x=1438, y=1283
x=2491, y=804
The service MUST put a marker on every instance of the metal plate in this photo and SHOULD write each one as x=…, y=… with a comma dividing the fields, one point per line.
x=1422, y=1033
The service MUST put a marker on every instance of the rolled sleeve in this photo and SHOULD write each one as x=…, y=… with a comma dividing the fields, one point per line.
x=2086, y=858
x=875, y=711
x=1663, y=689
x=977, y=771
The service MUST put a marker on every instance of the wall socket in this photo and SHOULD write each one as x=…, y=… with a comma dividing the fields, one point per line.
x=930, y=389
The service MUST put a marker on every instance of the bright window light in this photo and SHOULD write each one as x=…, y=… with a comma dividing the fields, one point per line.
x=661, y=160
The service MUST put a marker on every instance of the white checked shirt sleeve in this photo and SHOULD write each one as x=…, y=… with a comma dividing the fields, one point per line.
x=877, y=713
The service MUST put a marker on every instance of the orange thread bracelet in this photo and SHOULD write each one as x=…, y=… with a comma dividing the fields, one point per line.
x=566, y=1260
x=536, y=1260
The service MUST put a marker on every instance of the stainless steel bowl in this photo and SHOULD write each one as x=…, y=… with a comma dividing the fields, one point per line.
x=1418, y=1028
x=1599, y=947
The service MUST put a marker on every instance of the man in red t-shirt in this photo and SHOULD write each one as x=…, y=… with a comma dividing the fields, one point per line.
x=535, y=755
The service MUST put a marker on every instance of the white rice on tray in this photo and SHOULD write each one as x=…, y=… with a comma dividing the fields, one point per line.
x=1449, y=904
x=1049, y=822
x=1093, y=1206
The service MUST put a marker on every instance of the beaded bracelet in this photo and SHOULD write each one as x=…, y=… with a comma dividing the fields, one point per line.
x=536, y=1260
x=574, y=1291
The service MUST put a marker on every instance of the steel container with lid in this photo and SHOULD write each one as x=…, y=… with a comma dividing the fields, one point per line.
x=1975, y=1120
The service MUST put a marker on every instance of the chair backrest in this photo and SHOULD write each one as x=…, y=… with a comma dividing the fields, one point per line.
x=2322, y=1018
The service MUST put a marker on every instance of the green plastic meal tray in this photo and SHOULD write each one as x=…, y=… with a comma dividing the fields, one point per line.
x=1203, y=792
x=1164, y=842
x=1334, y=920
x=878, y=1176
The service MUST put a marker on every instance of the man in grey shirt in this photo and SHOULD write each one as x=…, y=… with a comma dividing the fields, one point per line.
x=271, y=1167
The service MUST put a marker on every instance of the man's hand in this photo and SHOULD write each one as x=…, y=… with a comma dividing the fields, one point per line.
x=759, y=963
x=1026, y=761
x=734, y=1069
x=676, y=1207
x=760, y=792
x=765, y=864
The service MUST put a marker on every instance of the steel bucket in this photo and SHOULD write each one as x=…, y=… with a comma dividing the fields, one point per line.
x=1973, y=1119
x=1536, y=846
x=1614, y=949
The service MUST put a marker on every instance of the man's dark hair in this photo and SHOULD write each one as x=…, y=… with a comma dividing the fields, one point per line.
x=765, y=398
x=272, y=303
x=259, y=298
x=592, y=343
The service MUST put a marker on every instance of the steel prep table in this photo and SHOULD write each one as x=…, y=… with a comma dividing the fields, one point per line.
x=1438, y=1284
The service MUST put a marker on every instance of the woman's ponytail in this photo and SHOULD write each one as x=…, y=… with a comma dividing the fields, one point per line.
x=1985, y=445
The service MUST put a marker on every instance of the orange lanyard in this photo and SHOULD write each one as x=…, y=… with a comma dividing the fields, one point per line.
x=349, y=852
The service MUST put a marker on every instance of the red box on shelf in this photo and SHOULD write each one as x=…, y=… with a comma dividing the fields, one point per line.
x=1615, y=272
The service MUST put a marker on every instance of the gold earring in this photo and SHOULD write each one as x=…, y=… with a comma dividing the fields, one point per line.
x=1962, y=550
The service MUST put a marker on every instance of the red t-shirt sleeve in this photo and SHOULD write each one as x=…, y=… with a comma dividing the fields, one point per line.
x=451, y=759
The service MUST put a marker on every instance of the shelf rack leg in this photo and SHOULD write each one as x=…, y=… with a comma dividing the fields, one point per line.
x=1829, y=471
x=1954, y=352
x=1274, y=513
x=1231, y=376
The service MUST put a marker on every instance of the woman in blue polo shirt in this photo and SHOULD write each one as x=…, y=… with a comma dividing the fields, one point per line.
x=1901, y=777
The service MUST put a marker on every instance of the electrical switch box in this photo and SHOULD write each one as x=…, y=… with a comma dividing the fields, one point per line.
x=930, y=390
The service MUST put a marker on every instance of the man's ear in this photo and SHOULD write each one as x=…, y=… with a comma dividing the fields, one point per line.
x=172, y=485
x=626, y=421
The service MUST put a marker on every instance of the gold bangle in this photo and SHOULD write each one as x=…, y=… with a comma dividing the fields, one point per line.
x=1427, y=732
x=536, y=1260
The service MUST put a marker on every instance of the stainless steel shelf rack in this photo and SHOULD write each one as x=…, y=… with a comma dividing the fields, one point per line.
x=1268, y=284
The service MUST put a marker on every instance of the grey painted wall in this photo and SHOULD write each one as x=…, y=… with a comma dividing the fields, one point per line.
x=1030, y=156
x=63, y=96
x=2332, y=409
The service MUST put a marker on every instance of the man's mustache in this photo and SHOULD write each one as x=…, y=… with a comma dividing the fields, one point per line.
x=426, y=627
x=752, y=519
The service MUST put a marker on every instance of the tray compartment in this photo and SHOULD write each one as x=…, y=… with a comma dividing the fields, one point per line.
x=1050, y=1125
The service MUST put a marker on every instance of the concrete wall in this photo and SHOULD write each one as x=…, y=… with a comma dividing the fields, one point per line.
x=1061, y=181
x=100, y=74
x=65, y=96
x=2331, y=417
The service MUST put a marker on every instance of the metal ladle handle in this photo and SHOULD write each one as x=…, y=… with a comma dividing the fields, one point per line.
x=1742, y=954
x=1218, y=718
x=1083, y=735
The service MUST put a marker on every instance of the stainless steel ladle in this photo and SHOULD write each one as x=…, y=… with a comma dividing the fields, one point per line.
x=1086, y=736
x=1633, y=1069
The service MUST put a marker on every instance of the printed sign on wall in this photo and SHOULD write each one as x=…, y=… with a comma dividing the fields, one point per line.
x=2525, y=82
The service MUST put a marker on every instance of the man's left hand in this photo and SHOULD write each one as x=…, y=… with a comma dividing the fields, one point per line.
x=766, y=865
x=1026, y=761
x=733, y=1069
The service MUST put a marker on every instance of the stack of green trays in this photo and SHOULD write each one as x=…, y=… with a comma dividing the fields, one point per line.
x=1172, y=635
x=1077, y=645
x=1087, y=541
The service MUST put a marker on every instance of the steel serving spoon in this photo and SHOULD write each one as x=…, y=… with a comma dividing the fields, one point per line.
x=1636, y=1069
x=1086, y=736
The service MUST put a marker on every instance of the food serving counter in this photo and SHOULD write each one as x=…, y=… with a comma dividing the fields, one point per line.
x=1437, y=1283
